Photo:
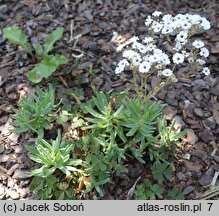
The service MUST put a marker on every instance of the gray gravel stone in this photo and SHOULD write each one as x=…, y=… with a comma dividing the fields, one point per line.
x=198, y=112
x=2, y=191
x=13, y=194
x=179, y=122
x=191, y=136
x=20, y=174
x=10, y=183
x=4, y=158
x=205, y=180
x=2, y=147
x=188, y=190
x=200, y=84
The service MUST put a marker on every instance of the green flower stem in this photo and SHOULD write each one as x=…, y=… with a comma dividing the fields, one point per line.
x=134, y=82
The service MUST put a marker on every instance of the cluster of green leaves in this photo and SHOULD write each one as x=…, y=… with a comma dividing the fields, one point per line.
x=118, y=131
x=46, y=63
x=149, y=191
x=161, y=172
x=168, y=135
x=115, y=129
x=140, y=120
x=54, y=170
x=103, y=153
x=35, y=112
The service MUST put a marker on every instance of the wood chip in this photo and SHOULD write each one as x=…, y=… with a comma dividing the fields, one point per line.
x=12, y=169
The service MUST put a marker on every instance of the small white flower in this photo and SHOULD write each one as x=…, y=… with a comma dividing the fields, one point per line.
x=165, y=59
x=186, y=25
x=188, y=17
x=156, y=26
x=182, y=36
x=121, y=66
x=159, y=66
x=135, y=44
x=178, y=58
x=205, y=23
x=190, y=60
x=156, y=13
x=166, y=72
x=198, y=44
x=140, y=47
x=133, y=39
x=167, y=17
x=120, y=47
x=178, y=46
x=136, y=60
x=146, y=59
x=148, y=40
x=154, y=58
x=148, y=21
x=161, y=57
x=157, y=51
x=201, y=61
x=167, y=30
x=195, y=19
x=168, y=23
x=206, y=71
x=129, y=54
x=186, y=54
x=179, y=17
x=204, y=52
x=118, y=70
x=177, y=24
x=151, y=47
x=144, y=67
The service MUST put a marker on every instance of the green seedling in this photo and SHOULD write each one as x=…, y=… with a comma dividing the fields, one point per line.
x=46, y=63
x=162, y=171
x=52, y=160
x=35, y=112
x=148, y=191
x=167, y=135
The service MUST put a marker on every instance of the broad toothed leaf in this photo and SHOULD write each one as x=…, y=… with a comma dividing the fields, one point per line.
x=52, y=38
x=17, y=37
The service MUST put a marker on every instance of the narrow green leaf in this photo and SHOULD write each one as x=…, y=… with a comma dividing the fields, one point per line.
x=57, y=142
x=132, y=131
x=118, y=111
x=31, y=149
x=92, y=111
x=52, y=38
x=119, y=131
x=38, y=49
x=75, y=162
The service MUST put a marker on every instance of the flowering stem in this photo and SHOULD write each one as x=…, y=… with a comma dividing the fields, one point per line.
x=142, y=83
x=134, y=82
x=174, y=67
x=145, y=84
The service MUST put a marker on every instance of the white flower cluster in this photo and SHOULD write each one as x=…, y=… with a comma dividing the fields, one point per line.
x=149, y=55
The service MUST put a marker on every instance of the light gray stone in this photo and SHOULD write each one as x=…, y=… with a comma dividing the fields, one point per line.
x=20, y=174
